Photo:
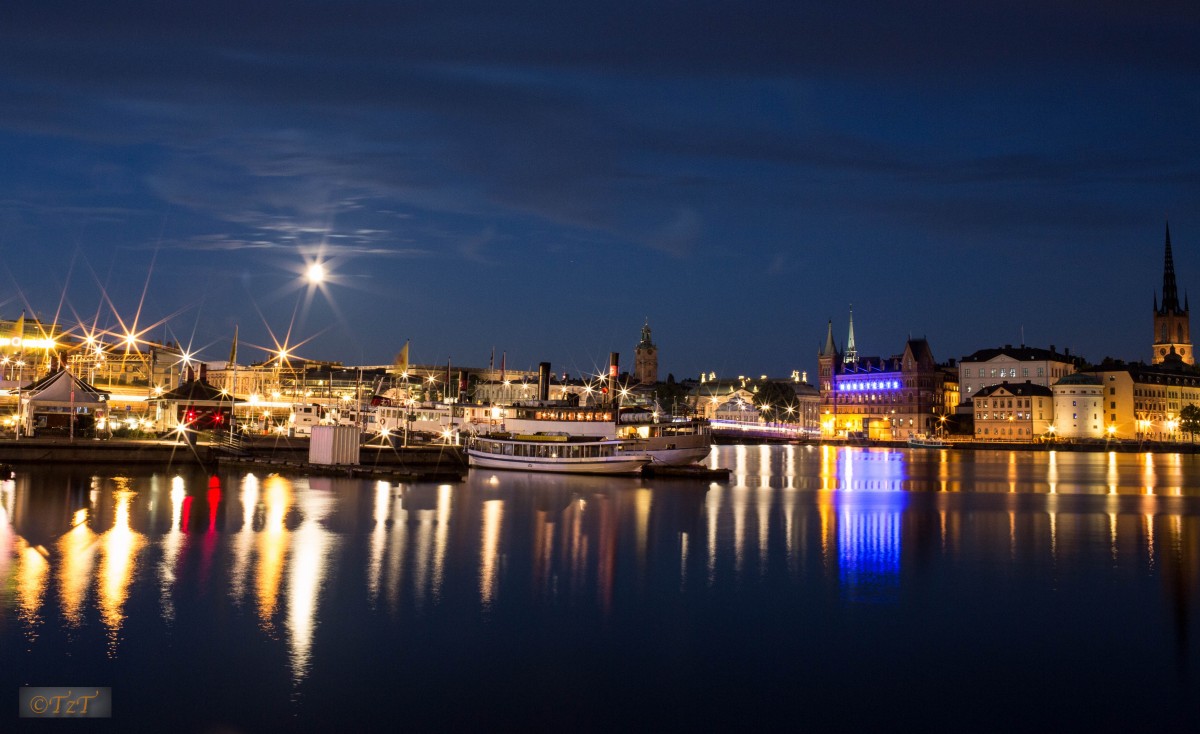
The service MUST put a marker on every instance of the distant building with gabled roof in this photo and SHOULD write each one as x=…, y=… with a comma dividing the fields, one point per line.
x=1021, y=411
x=987, y=367
x=889, y=398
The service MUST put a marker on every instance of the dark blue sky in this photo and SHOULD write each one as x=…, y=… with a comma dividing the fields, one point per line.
x=542, y=177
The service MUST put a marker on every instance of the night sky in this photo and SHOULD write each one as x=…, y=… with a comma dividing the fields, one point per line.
x=541, y=177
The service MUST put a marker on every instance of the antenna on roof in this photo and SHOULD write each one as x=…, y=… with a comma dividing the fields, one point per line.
x=1022, y=336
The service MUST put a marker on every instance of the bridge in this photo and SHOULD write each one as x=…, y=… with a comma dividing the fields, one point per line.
x=753, y=430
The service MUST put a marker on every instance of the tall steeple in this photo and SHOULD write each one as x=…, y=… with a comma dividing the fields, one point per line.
x=645, y=356
x=829, y=349
x=1170, y=301
x=851, y=351
x=1172, y=330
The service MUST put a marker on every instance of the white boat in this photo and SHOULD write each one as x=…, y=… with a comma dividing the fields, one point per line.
x=555, y=452
x=667, y=440
x=923, y=441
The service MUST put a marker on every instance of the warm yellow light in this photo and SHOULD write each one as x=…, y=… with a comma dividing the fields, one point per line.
x=315, y=273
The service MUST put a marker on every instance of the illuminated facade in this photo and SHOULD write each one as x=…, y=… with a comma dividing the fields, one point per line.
x=645, y=361
x=1172, y=330
x=988, y=367
x=883, y=399
x=1078, y=407
x=1143, y=402
x=1019, y=411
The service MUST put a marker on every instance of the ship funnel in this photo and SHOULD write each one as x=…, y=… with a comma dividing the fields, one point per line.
x=614, y=361
x=543, y=381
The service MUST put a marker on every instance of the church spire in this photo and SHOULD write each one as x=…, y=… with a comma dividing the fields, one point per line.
x=851, y=351
x=829, y=349
x=645, y=342
x=1170, y=301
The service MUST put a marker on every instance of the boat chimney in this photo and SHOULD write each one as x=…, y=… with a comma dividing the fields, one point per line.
x=203, y=372
x=614, y=359
x=543, y=381
x=191, y=376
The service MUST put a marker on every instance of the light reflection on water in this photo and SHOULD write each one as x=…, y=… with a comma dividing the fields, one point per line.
x=302, y=566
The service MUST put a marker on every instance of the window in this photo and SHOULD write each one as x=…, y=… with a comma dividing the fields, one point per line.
x=1112, y=406
x=1112, y=391
x=1041, y=371
x=1024, y=372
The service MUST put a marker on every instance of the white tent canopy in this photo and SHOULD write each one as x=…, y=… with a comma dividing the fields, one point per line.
x=51, y=401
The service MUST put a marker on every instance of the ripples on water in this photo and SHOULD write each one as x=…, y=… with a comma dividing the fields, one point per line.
x=833, y=588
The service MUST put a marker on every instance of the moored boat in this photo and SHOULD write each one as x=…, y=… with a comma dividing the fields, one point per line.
x=923, y=441
x=667, y=440
x=556, y=452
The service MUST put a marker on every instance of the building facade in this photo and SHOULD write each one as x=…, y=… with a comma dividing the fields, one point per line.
x=1079, y=407
x=645, y=359
x=884, y=399
x=988, y=367
x=1017, y=412
x=1143, y=402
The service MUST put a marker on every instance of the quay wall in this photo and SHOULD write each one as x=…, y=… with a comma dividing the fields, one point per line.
x=293, y=455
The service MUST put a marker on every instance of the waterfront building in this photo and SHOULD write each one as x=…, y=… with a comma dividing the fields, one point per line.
x=645, y=370
x=808, y=406
x=1144, y=402
x=889, y=398
x=709, y=395
x=951, y=390
x=1021, y=411
x=28, y=349
x=738, y=408
x=1172, y=329
x=987, y=367
x=1078, y=407
x=196, y=405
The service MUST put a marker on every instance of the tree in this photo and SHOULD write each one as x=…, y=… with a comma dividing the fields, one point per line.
x=773, y=398
x=672, y=396
x=1189, y=420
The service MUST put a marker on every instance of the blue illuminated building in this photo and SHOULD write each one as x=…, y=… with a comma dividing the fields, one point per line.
x=889, y=398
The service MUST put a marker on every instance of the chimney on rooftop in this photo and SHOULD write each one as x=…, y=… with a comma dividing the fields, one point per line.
x=203, y=372
x=191, y=376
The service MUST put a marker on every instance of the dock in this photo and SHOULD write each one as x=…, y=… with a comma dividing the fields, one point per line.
x=431, y=463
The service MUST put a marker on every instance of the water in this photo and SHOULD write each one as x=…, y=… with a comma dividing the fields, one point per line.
x=823, y=589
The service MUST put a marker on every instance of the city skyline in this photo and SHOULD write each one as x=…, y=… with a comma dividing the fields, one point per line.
x=540, y=180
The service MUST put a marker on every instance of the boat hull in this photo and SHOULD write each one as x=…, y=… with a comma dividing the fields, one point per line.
x=624, y=464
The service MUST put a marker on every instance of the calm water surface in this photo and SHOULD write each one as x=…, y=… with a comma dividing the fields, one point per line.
x=820, y=588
